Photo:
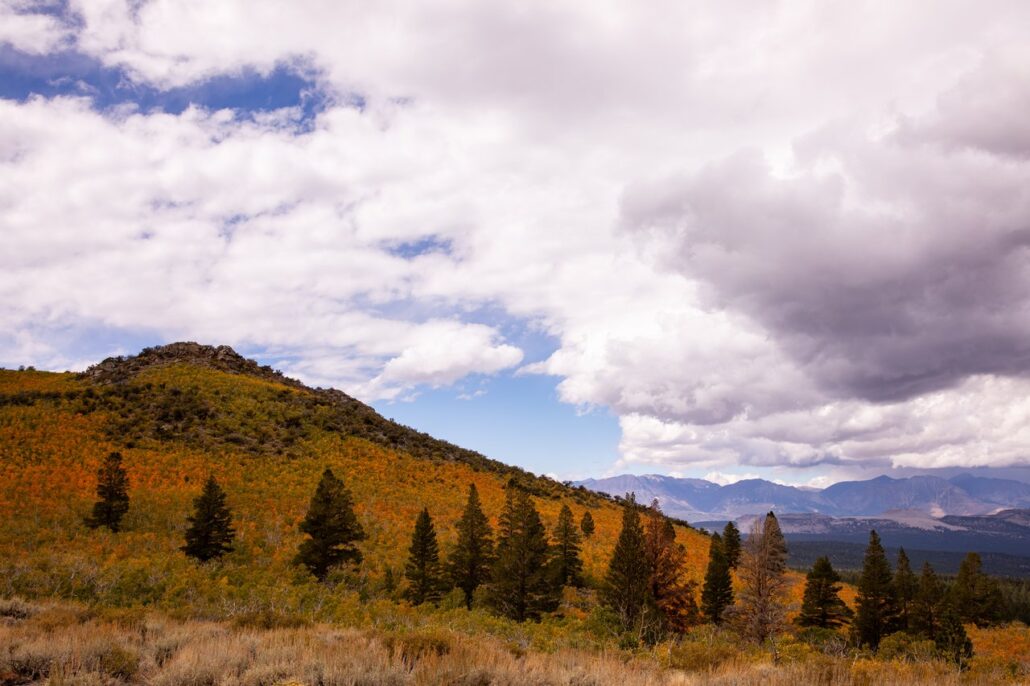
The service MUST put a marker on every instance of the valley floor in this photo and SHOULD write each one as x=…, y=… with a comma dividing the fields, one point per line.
x=65, y=644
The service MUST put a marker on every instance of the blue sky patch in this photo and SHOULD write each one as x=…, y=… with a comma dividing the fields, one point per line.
x=73, y=74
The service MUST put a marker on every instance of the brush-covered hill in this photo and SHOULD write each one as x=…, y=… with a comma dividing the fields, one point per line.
x=180, y=412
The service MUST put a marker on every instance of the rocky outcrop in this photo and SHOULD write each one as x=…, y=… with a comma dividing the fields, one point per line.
x=222, y=357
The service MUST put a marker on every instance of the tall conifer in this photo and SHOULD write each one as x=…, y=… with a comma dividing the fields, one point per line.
x=975, y=596
x=905, y=588
x=877, y=610
x=821, y=605
x=731, y=544
x=470, y=562
x=113, y=494
x=332, y=527
x=210, y=533
x=568, y=567
x=717, y=593
x=522, y=587
x=625, y=589
x=924, y=615
x=423, y=571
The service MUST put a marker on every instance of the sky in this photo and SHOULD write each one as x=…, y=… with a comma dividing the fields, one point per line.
x=787, y=239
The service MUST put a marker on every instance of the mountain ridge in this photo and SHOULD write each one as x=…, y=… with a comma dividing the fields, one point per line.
x=961, y=495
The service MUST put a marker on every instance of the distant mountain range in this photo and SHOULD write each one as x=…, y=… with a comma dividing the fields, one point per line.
x=935, y=519
x=695, y=499
x=1003, y=538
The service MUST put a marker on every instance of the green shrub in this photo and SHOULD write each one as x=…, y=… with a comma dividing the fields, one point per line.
x=903, y=646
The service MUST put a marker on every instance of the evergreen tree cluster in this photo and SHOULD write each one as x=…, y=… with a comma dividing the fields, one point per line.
x=900, y=602
x=645, y=586
x=523, y=574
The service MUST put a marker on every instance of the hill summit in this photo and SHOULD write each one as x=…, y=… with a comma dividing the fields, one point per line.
x=163, y=394
x=221, y=357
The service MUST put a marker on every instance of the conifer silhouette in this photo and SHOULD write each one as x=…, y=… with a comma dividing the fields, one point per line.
x=877, y=611
x=905, y=588
x=113, y=494
x=210, y=533
x=717, y=593
x=568, y=567
x=522, y=587
x=975, y=596
x=471, y=560
x=423, y=571
x=587, y=524
x=924, y=616
x=626, y=583
x=332, y=527
x=821, y=605
x=731, y=544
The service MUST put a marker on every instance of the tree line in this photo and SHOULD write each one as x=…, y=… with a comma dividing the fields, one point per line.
x=519, y=571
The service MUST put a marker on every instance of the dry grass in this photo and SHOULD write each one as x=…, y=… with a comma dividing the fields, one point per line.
x=61, y=644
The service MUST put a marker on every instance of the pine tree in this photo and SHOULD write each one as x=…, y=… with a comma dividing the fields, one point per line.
x=905, y=588
x=626, y=583
x=210, y=533
x=776, y=544
x=521, y=588
x=877, y=609
x=951, y=640
x=761, y=608
x=470, y=562
x=423, y=571
x=975, y=595
x=113, y=494
x=671, y=594
x=821, y=605
x=731, y=544
x=717, y=593
x=925, y=613
x=587, y=524
x=568, y=567
x=332, y=527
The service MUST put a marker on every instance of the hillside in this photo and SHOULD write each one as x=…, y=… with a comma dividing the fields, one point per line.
x=180, y=412
x=129, y=607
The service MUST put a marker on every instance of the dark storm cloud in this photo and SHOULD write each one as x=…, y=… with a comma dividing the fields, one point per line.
x=887, y=268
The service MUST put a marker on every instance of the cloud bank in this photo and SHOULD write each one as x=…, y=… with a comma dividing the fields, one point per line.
x=773, y=234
